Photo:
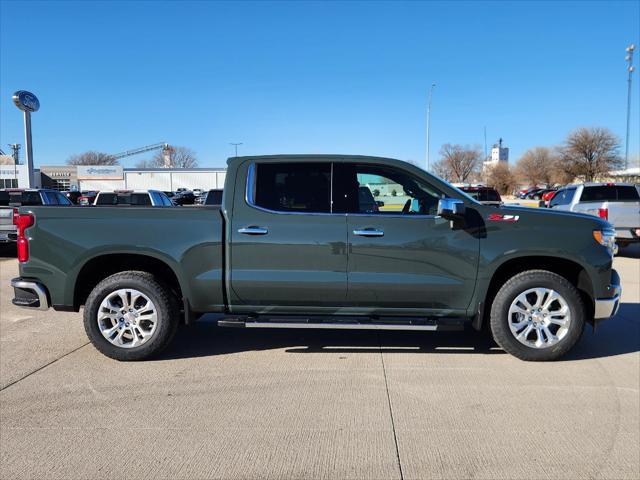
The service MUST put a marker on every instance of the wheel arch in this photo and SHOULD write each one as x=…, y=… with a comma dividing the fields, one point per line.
x=573, y=271
x=100, y=267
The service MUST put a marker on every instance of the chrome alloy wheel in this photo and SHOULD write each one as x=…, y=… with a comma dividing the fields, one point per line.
x=127, y=318
x=539, y=317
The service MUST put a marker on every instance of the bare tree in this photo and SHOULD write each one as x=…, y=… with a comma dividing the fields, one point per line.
x=146, y=163
x=179, y=157
x=458, y=163
x=92, y=158
x=537, y=166
x=500, y=177
x=588, y=153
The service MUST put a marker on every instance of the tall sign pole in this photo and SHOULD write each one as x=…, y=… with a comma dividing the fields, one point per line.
x=429, y=123
x=629, y=59
x=27, y=102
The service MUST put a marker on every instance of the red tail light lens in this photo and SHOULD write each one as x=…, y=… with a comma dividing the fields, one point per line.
x=603, y=213
x=23, y=221
x=15, y=216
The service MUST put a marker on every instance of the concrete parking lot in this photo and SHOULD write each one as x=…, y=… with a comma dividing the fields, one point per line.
x=288, y=404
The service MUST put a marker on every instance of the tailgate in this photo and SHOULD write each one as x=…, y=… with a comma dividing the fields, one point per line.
x=624, y=214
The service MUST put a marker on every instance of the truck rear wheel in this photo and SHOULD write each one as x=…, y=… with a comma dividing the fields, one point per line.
x=537, y=315
x=130, y=316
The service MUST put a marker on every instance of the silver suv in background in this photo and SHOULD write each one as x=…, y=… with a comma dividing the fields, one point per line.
x=137, y=198
x=618, y=203
x=10, y=199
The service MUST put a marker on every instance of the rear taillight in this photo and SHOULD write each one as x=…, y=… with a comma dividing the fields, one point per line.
x=23, y=221
x=603, y=213
x=15, y=216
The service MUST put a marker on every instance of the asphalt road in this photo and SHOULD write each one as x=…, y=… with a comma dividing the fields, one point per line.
x=286, y=404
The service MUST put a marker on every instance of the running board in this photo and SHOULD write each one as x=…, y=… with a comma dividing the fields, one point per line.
x=406, y=325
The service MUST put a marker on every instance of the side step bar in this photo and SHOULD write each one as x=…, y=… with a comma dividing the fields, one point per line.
x=378, y=324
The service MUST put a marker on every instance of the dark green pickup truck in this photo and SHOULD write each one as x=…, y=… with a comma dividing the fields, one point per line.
x=322, y=241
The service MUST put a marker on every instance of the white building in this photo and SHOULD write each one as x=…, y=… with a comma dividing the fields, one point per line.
x=498, y=154
x=115, y=177
x=14, y=176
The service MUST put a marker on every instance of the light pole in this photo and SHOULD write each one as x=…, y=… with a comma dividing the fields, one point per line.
x=629, y=59
x=429, y=122
x=236, y=146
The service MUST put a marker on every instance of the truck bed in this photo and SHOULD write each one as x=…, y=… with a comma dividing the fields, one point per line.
x=64, y=240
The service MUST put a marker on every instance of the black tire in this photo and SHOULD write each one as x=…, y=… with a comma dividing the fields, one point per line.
x=515, y=286
x=158, y=293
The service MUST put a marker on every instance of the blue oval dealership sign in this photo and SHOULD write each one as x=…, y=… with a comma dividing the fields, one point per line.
x=26, y=101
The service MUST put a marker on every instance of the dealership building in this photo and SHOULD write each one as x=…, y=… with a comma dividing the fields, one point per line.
x=113, y=177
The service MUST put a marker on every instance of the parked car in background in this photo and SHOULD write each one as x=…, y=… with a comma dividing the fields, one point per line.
x=88, y=197
x=73, y=196
x=546, y=197
x=153, y=198
x=213, y=197
x=539, y=193
x=185, y=197
x=11, y=199
x=618, y=203
x=485, y=195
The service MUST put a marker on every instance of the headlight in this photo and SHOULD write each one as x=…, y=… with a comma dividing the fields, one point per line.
x=606, y=238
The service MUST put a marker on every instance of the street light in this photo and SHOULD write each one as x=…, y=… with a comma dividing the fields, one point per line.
x=629, y=59
x=236, y=146
x=429, y=122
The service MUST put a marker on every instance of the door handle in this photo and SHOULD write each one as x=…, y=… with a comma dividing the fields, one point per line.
x=369, y=232
x=252, y=230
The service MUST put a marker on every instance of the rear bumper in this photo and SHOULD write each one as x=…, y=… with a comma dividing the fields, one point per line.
x=29, y=294
x=628, y=235
x=608, y=307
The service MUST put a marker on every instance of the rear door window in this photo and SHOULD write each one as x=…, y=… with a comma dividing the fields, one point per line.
x=293, y=187
x=563, y=197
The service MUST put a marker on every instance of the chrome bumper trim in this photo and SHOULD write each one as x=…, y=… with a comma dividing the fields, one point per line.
x=37, y=288
x=606, y=307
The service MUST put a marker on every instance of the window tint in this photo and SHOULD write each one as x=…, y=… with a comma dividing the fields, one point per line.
x=599, y=194
x=611, y=193
x=563, y=197
x=107, y=199
x=50, y=198
x=62, y=199
x=293, y=187
x=372, y=189
x=214, y=197
x=25, y=198
x=4, y=199
x=627, y=192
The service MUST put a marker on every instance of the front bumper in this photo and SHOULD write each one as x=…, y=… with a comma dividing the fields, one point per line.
x=29, y=294
x=608, y=307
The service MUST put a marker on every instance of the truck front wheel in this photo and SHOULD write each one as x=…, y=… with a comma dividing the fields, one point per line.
x=537, y=315
x=130, y=316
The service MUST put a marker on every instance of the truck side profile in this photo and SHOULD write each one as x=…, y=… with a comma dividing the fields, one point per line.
x=291, y=247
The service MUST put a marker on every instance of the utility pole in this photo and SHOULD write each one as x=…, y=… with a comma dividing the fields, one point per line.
x=15, y=147
x=429, y=123
x=485, y=144
x=236, y=146
x=629, y=59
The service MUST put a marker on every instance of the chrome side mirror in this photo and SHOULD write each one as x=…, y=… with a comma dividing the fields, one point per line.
x=451, y=208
